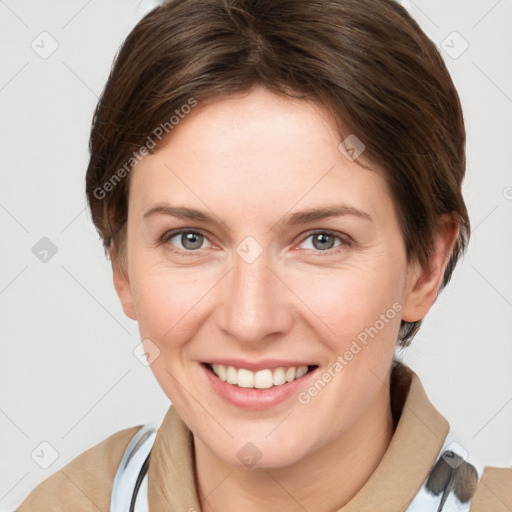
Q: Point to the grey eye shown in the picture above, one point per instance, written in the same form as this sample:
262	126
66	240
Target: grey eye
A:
189	240
322	241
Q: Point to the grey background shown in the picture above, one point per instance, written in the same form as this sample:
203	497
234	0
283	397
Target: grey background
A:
68	374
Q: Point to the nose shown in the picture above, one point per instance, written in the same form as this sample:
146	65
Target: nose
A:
255	305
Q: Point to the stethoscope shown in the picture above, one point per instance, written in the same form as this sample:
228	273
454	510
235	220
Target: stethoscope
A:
138	483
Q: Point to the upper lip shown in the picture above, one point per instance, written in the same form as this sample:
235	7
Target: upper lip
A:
259	365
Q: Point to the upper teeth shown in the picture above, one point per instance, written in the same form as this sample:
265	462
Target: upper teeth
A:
262	379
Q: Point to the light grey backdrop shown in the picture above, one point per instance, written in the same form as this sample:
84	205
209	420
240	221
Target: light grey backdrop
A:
69	377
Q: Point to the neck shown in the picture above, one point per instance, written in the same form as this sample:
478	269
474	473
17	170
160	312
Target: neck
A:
320	482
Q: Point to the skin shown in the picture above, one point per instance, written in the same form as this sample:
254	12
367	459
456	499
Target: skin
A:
250	160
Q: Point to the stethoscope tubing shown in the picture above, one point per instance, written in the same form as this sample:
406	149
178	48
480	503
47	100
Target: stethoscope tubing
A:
138	483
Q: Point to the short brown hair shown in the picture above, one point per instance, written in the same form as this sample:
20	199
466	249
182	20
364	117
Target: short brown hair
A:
366	61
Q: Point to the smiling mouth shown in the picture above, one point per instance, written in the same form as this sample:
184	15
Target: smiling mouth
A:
261	379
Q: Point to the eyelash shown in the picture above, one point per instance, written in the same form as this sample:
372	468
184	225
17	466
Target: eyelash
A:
345	240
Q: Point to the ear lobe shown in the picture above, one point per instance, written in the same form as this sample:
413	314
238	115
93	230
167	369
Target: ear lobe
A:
424	283
122	285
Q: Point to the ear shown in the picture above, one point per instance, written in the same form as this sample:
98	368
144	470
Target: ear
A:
424	282
122	285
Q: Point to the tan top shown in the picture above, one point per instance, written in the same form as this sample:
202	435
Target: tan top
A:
85	484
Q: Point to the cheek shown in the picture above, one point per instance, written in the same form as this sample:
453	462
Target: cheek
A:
167	306
349	302
168	301
362	310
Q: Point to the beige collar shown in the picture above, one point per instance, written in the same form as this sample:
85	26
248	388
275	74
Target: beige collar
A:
418	437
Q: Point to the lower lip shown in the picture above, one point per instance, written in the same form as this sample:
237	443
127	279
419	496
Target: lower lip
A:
252	398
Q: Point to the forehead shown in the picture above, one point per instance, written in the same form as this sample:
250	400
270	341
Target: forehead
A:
258	152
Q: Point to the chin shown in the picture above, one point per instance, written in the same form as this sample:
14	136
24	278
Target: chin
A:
261	453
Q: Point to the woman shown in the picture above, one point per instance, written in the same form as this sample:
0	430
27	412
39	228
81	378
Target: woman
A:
278	186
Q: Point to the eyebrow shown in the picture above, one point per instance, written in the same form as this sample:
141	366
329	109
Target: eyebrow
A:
301	217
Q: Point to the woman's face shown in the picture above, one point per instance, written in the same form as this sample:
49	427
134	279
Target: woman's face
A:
253	282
